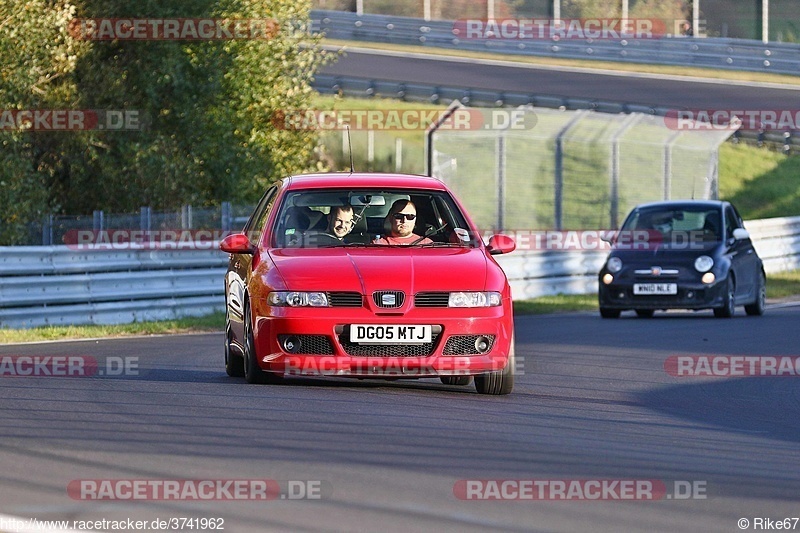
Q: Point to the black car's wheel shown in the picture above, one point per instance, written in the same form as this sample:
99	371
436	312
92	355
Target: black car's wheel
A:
500	381
253	372
757	308
234	364
645	313
729	303
609	313
456	380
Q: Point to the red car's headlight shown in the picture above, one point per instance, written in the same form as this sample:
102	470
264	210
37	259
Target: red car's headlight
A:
474	299
297	299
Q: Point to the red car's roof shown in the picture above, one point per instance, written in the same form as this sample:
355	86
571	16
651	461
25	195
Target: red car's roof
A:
365	179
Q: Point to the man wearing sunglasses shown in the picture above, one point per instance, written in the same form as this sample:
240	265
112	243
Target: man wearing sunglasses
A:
401	220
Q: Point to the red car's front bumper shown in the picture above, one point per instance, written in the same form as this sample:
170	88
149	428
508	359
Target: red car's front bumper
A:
320	345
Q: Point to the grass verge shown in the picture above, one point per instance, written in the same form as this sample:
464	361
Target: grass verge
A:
783	284
213	322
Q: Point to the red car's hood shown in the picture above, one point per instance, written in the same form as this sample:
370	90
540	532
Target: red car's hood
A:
369	269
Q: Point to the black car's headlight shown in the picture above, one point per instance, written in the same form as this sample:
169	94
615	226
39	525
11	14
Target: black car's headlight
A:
297	299
703	263
614	265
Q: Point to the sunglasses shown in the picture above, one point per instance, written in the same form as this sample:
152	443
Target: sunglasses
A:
401	216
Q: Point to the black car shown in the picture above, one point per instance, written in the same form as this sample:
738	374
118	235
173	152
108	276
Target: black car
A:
690	254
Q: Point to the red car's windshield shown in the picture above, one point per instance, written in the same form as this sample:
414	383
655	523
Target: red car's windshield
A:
319	218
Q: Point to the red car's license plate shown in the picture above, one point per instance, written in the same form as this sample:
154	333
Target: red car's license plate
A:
390	334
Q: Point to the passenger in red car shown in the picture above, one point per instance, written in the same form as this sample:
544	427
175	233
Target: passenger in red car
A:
401	219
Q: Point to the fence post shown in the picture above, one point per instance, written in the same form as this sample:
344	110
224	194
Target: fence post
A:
431	130
186	217
500	172
98	220
225	217
559	167
668	164
144	218
398	154
629	121
47	230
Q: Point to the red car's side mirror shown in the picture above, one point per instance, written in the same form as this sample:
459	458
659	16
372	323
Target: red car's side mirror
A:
238	243
501	244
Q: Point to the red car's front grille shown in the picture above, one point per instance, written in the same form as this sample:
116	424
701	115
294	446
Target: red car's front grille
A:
465	344
431	299
345	299
310	344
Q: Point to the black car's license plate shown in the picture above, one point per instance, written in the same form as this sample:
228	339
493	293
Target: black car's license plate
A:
655	288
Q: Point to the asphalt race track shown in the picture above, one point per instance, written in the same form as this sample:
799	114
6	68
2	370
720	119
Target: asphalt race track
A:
656	91
595	403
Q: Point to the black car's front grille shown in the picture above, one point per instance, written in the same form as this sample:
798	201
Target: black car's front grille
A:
309	344
465	344
345	299
688	297
431	299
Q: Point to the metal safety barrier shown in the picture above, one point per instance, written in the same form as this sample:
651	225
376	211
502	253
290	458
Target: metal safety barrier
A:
61	285
732	54
58	285
541	273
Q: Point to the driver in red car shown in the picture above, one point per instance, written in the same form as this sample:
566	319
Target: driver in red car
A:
340	221
402	218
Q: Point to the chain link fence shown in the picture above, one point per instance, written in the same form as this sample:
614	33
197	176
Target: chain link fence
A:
62	229
552	169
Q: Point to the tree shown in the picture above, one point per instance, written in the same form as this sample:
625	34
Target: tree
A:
37	57
206	108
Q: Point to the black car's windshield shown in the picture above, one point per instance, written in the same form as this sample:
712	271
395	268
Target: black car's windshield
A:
325	218
676	225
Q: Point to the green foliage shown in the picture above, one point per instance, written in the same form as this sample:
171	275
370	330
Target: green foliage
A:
205	106
37	57
591	9
762	183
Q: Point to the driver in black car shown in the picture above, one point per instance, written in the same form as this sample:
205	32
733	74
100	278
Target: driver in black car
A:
340	221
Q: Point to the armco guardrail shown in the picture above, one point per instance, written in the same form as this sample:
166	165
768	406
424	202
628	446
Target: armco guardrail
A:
733	54
777	241
537	273
57	285
53	285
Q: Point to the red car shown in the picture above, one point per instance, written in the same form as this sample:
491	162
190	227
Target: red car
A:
367	276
